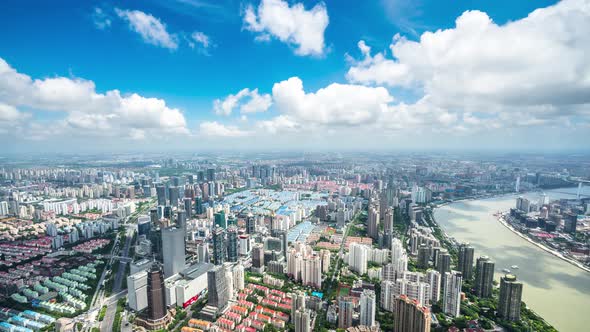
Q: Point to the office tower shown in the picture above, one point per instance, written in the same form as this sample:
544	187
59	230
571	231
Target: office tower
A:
273	244
484	277
302	321
211	174
203	253
156	309
433	278
510	298
410	316
345	307
181	220
250	225
357	257
373	223
154	216
173	251
423	256
368	309
443	262
173	194
168	212
465	264
452	283
244	244
570	222
220	219
257	256
143	226
137	290
200	176
188	206
161	193
217	287
199	206
218	246
229	280
232	244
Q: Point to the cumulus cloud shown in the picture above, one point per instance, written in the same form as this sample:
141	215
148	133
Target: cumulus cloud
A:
294	25
337	104
150	28
248	101
536	61
87	111
201	39
216	129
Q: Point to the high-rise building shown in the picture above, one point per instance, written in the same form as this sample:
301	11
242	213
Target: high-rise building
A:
181	220
345	307
199	206
258	257
174	195
311	273
423	256
433	278
297	302
173	251
465	264
373	223
218	246
220	219
156	308
302	319
232	244
510	298
238	275
368	308
211	174
358	257
137	290
217	287
452	283
410	316
443	262
161	193
203	253
484	277
250	225
188	206
570	222
388	220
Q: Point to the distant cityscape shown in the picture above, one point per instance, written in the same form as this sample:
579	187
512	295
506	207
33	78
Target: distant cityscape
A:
273	243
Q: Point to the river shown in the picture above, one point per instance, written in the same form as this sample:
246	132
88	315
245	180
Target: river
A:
554	288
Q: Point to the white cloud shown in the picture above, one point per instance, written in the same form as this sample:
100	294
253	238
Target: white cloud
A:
536	62
248	101
293	25
279	124
202	39
87	111
216	129
10	115
336	104
101	19
150	28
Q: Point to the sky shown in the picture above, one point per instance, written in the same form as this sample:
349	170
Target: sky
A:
192	75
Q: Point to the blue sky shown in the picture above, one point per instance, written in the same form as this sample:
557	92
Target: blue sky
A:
102	43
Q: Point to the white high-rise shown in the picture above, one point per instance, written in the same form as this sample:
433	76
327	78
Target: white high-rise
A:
452	293
238	275
367	306
387	295
312	271
433	278
358	257
419	291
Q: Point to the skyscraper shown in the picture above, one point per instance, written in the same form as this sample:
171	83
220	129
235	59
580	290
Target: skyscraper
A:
156	309
181	220
345	307
443	262
410	316
388	220
373	223
250	225
510	298
174	196
423	256
218	245
258	257
220	219
465	264
358	257
161	193
452	293
199	205
368	308
217	287
433	278
211	174
232	244
188	206
484	277
173	251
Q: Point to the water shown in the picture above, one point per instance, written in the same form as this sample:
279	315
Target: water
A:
555	289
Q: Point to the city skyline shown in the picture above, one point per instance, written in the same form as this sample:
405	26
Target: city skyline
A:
227	75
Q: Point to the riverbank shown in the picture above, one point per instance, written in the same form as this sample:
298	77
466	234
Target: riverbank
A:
542	246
